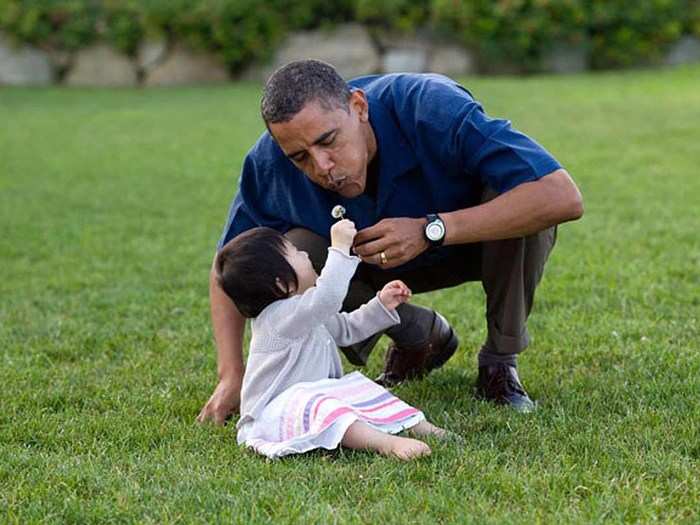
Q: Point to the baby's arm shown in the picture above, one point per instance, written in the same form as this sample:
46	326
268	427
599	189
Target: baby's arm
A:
374	316
299	314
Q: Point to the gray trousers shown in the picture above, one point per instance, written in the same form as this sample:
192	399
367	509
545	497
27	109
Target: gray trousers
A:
509	271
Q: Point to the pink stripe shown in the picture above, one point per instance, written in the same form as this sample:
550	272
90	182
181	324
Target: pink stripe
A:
340	393
334	415
401	415
378	407
344	410
318	404
291	420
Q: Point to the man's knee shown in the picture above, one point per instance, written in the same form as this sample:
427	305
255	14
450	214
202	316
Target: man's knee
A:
538	247
312	243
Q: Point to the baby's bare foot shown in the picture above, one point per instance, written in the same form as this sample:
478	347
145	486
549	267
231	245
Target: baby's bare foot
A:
405	448
425	428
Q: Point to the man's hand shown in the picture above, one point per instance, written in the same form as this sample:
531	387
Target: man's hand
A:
342	234
394	293
225	400
400	240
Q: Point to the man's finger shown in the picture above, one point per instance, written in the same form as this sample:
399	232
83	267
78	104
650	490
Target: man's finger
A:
371	233
374	259
369	249
202	417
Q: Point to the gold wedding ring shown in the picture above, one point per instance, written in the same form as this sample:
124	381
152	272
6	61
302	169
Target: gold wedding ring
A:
383	258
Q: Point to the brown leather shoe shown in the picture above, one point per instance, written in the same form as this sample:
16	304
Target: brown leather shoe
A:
413	362
500	383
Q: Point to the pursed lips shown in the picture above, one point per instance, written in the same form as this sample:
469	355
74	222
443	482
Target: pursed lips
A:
335	184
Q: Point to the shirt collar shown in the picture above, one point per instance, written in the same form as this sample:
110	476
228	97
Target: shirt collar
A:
396	157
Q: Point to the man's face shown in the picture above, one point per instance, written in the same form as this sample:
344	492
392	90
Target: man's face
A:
333	148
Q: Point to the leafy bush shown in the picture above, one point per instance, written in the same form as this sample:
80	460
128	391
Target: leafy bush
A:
512	31
503	32
68	24
122	24
626	33
401	15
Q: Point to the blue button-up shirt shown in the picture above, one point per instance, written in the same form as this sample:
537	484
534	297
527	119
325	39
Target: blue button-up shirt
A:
437	150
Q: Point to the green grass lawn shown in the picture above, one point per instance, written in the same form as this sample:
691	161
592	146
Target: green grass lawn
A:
111	202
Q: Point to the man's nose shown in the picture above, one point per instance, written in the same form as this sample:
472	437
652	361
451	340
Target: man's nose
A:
324	162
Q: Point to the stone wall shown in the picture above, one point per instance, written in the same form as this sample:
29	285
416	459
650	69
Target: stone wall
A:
352	48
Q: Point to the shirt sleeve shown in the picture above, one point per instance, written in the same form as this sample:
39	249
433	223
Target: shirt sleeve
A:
450	125
317	304
358	325
502	157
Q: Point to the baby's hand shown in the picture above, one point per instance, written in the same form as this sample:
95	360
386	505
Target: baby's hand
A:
394	293
342	234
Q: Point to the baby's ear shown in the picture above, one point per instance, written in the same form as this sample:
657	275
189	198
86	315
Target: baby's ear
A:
284	287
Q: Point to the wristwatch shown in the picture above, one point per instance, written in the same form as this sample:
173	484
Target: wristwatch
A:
434	230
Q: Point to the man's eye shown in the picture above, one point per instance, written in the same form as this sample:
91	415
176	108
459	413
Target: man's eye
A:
299	158
328	141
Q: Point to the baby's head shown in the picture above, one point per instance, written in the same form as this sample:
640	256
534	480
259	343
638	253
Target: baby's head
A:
259	267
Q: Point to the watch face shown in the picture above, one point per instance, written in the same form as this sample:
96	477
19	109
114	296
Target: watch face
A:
435	231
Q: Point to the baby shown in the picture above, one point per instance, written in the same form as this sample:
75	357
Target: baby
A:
295	397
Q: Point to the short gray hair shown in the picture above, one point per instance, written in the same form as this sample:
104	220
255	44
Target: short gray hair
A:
292	86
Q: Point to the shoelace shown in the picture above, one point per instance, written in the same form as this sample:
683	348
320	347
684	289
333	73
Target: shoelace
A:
504	382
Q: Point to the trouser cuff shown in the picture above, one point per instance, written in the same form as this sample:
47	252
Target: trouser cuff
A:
487	357
500	343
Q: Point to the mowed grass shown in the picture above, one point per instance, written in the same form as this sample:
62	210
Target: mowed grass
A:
111	202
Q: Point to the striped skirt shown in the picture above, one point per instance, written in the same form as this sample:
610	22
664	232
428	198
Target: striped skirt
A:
315	415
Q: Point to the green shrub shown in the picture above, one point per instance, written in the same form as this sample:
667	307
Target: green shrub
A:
123	24
310	14
401	15
244	30
693	22
512	33
618	32
68	24
626	33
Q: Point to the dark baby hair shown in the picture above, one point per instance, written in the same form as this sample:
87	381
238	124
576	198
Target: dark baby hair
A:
248	266
292	86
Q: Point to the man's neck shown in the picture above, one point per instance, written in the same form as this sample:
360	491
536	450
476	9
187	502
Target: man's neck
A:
372	181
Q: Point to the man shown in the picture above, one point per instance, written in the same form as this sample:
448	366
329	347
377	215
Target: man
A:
441	194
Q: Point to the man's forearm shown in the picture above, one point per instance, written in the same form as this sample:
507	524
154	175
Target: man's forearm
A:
524	210
228	325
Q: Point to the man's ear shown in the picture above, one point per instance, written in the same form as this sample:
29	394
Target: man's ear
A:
358	103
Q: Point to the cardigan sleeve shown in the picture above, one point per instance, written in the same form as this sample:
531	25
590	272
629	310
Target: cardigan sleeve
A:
319	303
367	320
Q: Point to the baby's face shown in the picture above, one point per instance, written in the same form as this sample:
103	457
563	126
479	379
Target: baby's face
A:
306	275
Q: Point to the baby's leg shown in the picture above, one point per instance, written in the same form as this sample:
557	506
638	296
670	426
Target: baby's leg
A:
362	436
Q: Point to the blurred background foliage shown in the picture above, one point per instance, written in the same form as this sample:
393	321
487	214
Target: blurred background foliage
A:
616	33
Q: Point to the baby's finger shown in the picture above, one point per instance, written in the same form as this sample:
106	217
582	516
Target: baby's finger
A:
400	285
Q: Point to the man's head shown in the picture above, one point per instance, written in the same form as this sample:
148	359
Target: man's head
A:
320	125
